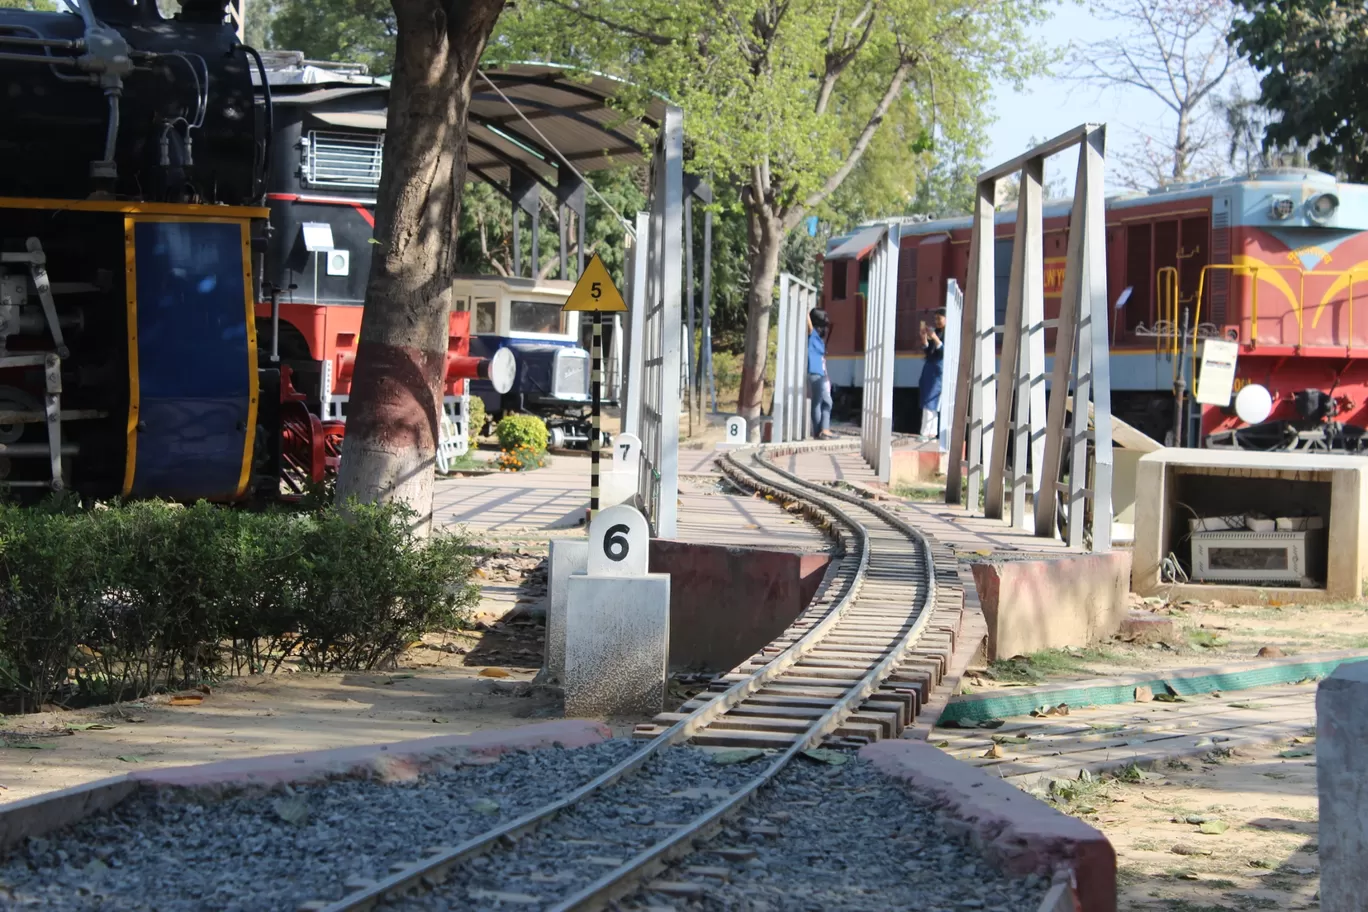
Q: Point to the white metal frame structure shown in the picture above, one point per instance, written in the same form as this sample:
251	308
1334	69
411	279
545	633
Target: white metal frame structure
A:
633	357
954	308
660	348
792	417
1081	358
881	306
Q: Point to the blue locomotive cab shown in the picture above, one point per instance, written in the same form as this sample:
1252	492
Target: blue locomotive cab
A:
192	358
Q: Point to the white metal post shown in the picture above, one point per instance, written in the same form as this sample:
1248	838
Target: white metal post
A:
876	424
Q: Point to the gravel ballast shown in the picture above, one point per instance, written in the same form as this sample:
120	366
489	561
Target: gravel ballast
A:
832	838
260	851
822	837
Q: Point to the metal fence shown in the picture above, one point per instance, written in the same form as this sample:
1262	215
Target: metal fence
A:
792	417
983	410
876	411
659	335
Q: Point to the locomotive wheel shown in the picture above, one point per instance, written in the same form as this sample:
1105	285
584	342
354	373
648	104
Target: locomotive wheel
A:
301	448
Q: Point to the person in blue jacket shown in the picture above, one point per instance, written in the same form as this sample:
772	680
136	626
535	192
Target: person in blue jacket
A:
933	351
819	384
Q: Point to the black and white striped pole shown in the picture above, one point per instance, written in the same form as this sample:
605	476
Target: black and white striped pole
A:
596	438
595	294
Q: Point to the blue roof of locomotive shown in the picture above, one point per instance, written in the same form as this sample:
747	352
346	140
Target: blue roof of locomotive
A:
1250	199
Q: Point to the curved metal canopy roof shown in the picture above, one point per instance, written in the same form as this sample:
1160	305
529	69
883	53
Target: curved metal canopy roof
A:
531	118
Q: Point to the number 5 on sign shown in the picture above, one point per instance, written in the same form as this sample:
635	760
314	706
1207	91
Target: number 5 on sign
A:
619	542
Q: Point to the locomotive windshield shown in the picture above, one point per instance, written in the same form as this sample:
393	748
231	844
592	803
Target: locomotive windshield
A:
536	317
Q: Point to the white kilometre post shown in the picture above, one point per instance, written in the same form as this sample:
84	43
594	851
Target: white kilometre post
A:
617	622
735	433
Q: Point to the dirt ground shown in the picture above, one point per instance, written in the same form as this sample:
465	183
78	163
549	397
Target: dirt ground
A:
1230	832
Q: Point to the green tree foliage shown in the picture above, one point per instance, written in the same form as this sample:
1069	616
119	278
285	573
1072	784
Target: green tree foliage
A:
1313	57
352	31
39	6
787	100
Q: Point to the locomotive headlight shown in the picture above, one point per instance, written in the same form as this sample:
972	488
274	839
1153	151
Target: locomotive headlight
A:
1323	207
1281	207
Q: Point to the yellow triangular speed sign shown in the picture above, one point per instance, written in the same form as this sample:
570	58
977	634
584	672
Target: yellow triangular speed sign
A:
595	290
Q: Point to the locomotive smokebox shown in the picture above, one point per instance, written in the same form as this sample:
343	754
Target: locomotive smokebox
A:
115	102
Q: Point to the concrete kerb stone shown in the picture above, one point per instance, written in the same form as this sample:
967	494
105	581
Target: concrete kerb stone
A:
1015	831
1341	770
1020	701
396	761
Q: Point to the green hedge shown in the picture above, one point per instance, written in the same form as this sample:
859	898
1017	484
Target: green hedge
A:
119	601
476	418
518	432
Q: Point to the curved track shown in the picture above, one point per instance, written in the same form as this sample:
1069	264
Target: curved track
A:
850	669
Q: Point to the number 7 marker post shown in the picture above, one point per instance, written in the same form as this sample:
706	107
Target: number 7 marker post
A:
617	622
595	294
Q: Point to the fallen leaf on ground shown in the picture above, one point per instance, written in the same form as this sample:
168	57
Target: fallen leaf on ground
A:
829	757
129	758
737	755
493	673
88	726
1213	827
484	806
187	700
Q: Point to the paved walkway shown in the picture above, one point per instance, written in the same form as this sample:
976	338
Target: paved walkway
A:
551	503
1108	738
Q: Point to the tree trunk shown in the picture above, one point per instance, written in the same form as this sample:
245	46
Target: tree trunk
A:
765	237
395	404
1180	147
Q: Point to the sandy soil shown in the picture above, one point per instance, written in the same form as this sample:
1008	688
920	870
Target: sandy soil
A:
1264	857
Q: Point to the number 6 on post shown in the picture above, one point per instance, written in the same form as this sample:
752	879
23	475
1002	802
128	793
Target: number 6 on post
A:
619	543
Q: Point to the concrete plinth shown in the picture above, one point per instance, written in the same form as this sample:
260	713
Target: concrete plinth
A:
1051	603
922	462
1178	483
617	644
726	602
568	556
1342	787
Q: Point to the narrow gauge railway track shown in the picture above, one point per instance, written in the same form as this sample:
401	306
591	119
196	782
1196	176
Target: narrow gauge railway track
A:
840	675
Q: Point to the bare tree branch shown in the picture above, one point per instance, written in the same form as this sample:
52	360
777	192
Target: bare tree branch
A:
1177	52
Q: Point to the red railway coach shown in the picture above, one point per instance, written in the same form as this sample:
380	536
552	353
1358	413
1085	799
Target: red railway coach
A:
1276	262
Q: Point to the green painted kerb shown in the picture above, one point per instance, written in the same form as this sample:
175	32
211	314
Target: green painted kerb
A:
1023	702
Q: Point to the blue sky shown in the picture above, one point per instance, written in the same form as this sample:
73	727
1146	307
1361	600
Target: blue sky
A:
1049	105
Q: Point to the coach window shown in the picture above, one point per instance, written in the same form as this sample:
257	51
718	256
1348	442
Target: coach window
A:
536	317
484	317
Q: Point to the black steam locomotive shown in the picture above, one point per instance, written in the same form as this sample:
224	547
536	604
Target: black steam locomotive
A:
132	176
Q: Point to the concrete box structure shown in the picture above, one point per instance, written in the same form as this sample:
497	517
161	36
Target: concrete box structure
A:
725	602
1181	483
922	462
1342	787
617	645
568	556
1073	600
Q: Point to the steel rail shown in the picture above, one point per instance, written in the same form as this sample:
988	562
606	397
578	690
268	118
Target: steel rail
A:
622	879
369	894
